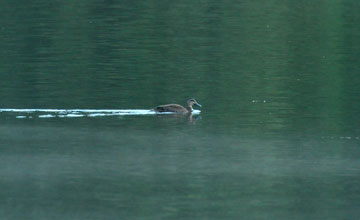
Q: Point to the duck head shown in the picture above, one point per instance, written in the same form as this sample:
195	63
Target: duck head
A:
192	102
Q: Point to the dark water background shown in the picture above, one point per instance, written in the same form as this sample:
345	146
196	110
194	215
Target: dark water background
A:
277	138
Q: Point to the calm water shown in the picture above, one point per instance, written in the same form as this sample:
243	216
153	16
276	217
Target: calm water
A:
278	136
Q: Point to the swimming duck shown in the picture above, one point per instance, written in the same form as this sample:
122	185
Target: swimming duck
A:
178	108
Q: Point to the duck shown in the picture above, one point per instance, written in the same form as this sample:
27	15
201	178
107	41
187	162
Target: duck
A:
178	108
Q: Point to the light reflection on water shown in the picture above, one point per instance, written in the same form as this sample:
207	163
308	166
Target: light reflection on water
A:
73	113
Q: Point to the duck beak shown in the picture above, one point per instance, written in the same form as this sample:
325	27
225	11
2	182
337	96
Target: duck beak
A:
197	104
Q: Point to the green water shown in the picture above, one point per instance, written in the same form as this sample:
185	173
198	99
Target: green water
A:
278	136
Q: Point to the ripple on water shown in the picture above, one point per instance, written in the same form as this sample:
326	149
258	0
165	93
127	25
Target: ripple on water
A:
75	113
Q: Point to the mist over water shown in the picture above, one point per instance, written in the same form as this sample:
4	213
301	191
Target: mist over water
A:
277	136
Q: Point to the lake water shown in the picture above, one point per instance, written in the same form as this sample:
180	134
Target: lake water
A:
278	136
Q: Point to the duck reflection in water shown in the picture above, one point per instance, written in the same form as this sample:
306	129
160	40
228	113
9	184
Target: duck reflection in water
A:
178	108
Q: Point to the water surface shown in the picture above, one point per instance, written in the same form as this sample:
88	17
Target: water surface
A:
277	136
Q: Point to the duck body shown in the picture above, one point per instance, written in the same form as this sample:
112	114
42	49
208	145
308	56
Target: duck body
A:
177	108
172	108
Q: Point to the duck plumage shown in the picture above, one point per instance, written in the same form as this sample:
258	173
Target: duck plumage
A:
178	108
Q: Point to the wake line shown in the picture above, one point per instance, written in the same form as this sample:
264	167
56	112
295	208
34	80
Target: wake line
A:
72	113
